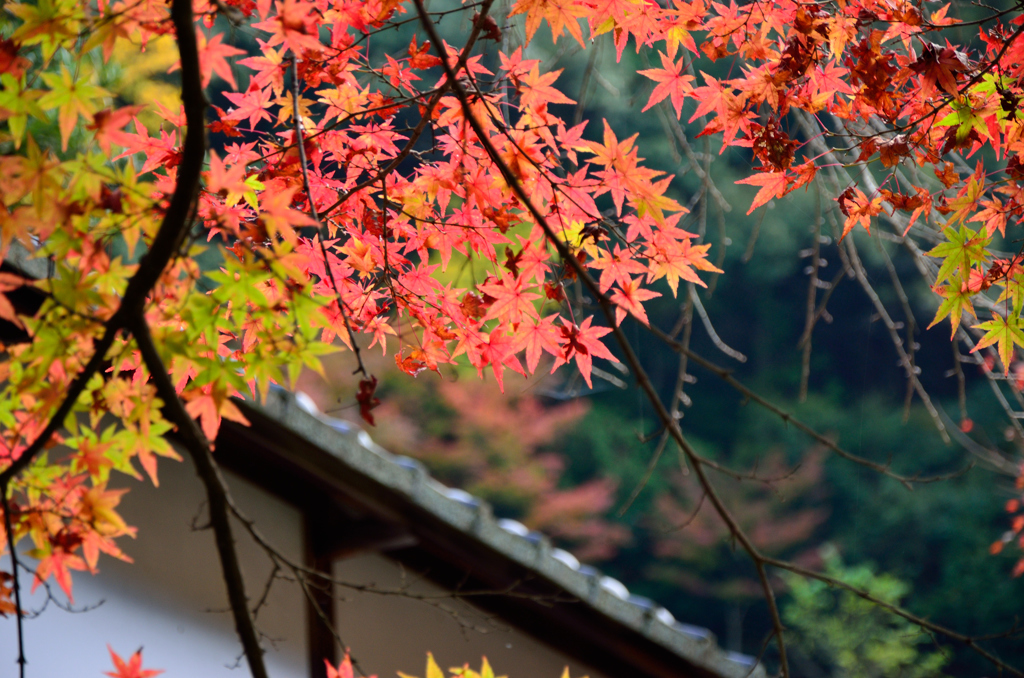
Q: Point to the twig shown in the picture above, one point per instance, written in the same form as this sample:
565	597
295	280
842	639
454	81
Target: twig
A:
719	344
266	591
812	296
961	382
748	253
726	376
361	369
911	321
861	275
822	310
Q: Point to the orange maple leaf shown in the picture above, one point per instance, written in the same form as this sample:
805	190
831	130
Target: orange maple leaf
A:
628	299
671	82
583	343
858	209
108	126
8	282
773	185
560	14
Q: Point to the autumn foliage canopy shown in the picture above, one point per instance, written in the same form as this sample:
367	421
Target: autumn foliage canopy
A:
434	202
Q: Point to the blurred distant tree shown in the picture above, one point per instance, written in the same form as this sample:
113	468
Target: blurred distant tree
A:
849	637
500	447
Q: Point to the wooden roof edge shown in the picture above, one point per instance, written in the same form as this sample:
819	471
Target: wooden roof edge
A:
394	479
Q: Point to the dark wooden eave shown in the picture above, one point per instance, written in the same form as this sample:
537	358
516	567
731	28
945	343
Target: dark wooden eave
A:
366	499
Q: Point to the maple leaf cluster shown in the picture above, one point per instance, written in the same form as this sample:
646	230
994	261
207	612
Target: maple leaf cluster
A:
348	195
332	219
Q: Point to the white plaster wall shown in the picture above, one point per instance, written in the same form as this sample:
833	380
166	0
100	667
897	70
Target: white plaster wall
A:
171	600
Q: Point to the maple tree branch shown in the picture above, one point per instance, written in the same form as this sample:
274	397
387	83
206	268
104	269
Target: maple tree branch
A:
165	244
630	356
696	460
19	613
217	495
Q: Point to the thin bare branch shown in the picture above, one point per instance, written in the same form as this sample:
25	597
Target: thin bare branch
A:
19	612
912	372
726	376
812	296
715	339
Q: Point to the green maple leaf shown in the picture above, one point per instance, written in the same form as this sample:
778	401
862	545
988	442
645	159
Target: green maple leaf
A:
964	118
48	23
18	103
1005	333
956	299
964	249
71	95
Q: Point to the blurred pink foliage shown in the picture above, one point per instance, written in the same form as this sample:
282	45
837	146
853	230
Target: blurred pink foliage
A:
500	447
780	516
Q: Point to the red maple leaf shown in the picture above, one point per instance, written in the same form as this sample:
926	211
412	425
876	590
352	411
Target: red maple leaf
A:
130	669
224	180
583	343
628	299
59	562
251	104
535	90
213	58
367	400
671	81
939	65
773	185
500	352
511	300
420	57
539	336
858	209
108	125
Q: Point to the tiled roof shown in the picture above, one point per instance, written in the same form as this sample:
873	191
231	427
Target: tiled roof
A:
513	540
